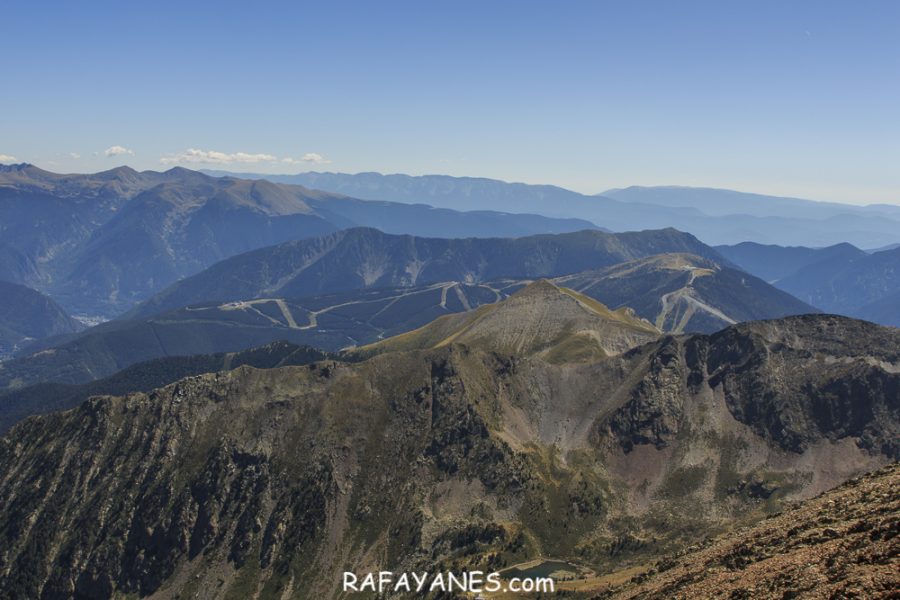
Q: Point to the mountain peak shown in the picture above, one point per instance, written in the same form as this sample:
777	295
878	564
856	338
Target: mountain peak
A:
536	289
542	319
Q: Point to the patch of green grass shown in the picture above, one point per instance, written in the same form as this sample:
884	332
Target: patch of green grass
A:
575	348
683	481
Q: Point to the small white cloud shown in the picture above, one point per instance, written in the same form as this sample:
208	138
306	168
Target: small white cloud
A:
6	158
118	151
308	158
74	155
213	157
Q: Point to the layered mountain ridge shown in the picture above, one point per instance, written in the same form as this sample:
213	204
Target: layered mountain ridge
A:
715	216
504	389
103	242
368	258
677	292
842	279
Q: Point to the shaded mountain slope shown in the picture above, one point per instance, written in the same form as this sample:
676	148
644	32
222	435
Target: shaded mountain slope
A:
841	279
143	377
426	221
885	311
176	229
842	544
330	322
274	482
541	320
685	293
27	315
773	263
47	216
367	258
15	267
847	284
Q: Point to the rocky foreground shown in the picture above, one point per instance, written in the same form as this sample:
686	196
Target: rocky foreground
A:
842	544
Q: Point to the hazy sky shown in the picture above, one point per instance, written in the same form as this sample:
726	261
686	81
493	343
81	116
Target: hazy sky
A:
785	97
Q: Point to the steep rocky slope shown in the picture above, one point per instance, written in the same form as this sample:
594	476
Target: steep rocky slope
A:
842	544
42	398
275	481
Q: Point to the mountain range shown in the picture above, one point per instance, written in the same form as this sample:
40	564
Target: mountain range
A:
719	203
298	382
841	279
234	305
330	322
774	263
100	243
270	481
368	258
713	215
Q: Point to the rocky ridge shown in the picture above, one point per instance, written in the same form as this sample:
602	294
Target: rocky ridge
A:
274	481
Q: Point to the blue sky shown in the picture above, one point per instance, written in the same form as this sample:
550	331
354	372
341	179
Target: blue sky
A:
792	98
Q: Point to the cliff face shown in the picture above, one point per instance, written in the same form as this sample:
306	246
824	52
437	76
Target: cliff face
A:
275	481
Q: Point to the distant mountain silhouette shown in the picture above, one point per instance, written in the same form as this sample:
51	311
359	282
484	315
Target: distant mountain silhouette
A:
715	216
773	263
839	279
101	243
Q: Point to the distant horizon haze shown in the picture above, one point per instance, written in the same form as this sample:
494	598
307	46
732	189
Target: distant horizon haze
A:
262	175
790	99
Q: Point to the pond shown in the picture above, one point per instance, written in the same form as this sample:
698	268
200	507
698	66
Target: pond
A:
546	568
